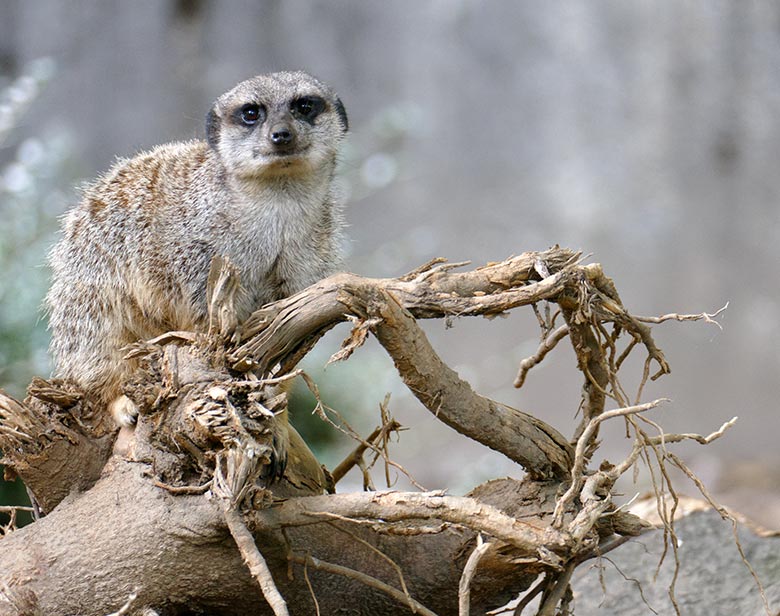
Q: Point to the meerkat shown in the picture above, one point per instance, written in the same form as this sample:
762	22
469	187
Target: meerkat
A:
134	255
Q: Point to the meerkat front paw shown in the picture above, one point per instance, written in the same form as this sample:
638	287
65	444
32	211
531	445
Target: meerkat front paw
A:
124	411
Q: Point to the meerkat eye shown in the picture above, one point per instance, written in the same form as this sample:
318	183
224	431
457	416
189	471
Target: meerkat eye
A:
251	114
307	107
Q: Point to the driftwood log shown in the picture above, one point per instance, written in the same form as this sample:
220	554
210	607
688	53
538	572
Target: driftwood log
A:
211	506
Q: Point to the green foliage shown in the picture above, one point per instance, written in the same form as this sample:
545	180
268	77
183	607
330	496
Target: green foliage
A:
32	177
30	200
13	493
31	197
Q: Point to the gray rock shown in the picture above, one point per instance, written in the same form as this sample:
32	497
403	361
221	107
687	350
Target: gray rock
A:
712	578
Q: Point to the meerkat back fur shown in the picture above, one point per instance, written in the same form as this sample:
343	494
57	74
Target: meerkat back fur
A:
135	253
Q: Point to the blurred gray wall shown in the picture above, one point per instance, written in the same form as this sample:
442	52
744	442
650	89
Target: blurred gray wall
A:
646	133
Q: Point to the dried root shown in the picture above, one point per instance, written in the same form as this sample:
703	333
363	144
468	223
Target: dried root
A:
213	426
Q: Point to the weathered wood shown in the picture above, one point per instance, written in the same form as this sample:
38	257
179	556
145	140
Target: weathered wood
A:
54	440
206	458
126	536
537	446
284	330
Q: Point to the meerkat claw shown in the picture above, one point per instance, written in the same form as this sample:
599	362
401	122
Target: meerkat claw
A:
124	411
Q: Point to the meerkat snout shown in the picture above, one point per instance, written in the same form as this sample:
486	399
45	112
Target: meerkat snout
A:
282	137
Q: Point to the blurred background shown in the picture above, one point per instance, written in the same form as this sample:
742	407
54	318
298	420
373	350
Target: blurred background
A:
646	134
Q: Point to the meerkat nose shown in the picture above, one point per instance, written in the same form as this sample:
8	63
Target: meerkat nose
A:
281	135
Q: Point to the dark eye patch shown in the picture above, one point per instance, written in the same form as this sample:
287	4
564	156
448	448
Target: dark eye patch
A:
307	107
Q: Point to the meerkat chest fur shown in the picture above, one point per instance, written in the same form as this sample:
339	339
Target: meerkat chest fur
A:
284	235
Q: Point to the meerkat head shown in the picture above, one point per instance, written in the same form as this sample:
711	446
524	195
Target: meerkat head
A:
286	123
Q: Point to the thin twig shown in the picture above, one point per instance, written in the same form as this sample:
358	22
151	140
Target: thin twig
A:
702	316
183	490
422	268
277	380
531	594
547	345
386	419
444	267
557	593
642	446
381	554
128	604
626	352
14	508
372	582
724	514
635	581
464	586
254	559
640	443
578	468
37	514
311	588
672	530
371	442
321	410
605	547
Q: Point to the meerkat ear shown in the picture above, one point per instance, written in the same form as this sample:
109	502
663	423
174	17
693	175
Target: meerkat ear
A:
342	113
212	128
